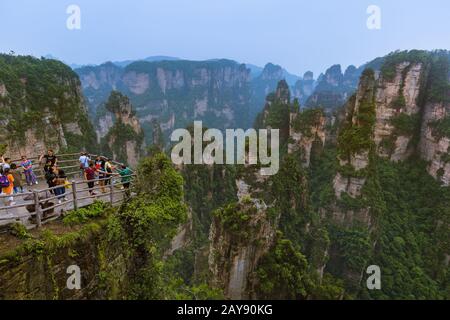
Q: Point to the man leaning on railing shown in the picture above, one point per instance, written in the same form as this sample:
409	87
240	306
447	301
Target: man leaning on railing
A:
125	173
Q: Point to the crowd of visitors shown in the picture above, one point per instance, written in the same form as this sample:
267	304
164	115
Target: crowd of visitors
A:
99	170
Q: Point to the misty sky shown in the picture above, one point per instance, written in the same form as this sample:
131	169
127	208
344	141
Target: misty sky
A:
299	35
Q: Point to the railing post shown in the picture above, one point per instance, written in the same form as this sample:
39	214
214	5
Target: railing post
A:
37	208
74	195
111	191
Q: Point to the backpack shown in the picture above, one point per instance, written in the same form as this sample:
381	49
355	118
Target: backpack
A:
4	182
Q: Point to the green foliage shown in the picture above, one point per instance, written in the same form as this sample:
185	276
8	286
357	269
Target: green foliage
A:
283	273
207	188
411	242
118	136
441	127
42	94
354	247
289	192
399	102
388	69
307	119
356	134
150	221
235	219
439	88
405	125
278	118
20	231
82	215
115	102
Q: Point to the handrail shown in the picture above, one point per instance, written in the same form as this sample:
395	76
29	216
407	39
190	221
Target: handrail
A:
74	199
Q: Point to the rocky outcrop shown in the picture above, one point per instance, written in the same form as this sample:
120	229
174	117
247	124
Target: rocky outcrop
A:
240	235
355	138
304	87
306	130
41	112
175	93
334	88
434	147
124	139
264	84
397	98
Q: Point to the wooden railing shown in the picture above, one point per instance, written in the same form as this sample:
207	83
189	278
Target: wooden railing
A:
43	202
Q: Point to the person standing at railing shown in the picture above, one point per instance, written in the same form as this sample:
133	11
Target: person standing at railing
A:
100	169
27	166
50	156
125	173
48	167
7	185
89	176
108	171
60	181
17	178
84	162
5	163
50	177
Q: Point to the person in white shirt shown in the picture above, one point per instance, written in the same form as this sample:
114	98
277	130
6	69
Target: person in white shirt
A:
5	163
84	162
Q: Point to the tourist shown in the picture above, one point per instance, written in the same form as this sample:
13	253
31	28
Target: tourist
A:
61	181
48	167
50	156
7	185
27	166
101	173
125	173
84	162
89	176
108	171
5	163
17	178
50	177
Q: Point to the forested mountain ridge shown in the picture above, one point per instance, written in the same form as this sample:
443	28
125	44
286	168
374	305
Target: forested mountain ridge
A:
365	183
345	198
222	93
174	93
42	106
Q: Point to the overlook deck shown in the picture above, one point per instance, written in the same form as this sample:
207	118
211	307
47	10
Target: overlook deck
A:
37	204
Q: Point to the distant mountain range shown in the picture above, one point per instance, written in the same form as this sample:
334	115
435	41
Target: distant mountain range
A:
173	92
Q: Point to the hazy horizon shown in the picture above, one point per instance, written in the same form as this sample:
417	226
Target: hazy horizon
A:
297	35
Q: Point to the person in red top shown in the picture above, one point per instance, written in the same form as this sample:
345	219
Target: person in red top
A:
89	176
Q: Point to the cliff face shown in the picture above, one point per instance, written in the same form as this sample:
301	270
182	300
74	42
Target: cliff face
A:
398	114
355	138
408	119
175	92
334	88
434	146
398	99
240	235
307	133
243	235
120	131
42	107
